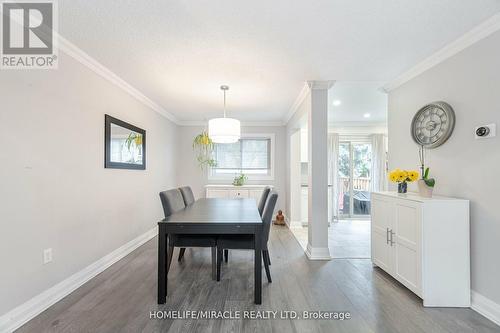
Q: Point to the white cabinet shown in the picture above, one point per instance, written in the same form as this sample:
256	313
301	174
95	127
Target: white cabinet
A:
424	244
231	191
239	193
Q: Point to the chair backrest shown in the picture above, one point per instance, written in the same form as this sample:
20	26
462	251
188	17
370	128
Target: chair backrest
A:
267	216
172	201
263	199
187	194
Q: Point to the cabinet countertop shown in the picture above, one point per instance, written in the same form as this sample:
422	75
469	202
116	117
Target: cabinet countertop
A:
416	197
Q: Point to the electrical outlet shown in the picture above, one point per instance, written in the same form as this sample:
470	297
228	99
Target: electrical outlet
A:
47	256
485	131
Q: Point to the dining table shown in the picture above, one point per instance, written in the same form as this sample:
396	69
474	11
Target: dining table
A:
211	216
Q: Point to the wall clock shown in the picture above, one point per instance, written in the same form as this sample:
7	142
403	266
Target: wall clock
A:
433	124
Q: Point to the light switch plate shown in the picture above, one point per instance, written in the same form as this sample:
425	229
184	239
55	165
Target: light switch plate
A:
47	256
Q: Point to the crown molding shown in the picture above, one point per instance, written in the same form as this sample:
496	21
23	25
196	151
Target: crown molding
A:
478	33
83	58
320	85
243	123
300	98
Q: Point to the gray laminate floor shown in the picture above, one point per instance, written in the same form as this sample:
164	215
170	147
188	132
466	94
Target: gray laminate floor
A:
121	298
349	238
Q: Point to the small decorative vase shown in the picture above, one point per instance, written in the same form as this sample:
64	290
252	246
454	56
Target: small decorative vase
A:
424	190
402	187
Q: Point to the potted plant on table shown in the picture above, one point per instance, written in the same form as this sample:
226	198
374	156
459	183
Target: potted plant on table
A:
426	184
240	180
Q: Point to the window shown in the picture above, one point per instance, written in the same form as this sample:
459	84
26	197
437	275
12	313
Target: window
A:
251	155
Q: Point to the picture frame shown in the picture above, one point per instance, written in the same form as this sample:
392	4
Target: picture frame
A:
124	145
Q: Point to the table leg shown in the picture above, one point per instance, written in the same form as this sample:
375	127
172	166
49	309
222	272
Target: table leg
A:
214	263
162	263
258	265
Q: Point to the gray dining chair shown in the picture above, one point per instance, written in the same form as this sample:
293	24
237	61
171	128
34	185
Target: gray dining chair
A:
246	242
187	195
173	202
260	207
263	199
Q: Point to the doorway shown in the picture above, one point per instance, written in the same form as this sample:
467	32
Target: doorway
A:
354	178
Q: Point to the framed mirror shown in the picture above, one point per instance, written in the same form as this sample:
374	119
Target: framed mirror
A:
124	145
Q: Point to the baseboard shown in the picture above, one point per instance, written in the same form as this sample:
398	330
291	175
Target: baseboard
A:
486	307
17	317
318	253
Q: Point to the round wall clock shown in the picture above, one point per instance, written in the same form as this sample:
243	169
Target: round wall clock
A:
433	124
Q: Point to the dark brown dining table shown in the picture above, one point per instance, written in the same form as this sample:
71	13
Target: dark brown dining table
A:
211	216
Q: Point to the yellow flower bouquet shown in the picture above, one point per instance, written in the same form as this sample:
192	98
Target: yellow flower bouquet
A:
402	177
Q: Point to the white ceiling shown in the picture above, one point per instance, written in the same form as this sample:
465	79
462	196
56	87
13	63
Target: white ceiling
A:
357	99
178	53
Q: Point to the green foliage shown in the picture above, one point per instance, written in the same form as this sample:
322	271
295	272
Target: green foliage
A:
204	147
133	138
428	181
361	160
240	180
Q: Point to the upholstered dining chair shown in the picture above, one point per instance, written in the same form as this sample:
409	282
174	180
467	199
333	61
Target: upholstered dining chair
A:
246	242
263	199
173	201
260	207
187	195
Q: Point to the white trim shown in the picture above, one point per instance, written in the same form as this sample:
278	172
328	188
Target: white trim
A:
318	253
485	307
478	33
243	123
18	316
269	177
79	55
298	101
320	85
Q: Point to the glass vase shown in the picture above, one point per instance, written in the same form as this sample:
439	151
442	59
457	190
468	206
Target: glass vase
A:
402	187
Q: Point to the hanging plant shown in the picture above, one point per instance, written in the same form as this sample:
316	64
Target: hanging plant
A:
204	147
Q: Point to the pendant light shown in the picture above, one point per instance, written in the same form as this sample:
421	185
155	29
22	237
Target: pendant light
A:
224	130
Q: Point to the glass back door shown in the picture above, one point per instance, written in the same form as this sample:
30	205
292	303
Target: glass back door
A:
355	160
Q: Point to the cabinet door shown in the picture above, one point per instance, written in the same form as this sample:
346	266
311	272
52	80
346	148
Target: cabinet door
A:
381	225
217	193
239	193
406	242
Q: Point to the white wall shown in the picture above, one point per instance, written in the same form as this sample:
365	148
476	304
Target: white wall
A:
298	120
463	167
190	174
55	191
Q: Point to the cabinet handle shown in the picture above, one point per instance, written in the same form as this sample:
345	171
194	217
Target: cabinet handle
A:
392	237
387	235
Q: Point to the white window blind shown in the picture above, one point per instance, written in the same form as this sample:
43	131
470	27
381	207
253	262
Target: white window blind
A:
248	156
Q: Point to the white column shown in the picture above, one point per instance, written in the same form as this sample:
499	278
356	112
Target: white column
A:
317	245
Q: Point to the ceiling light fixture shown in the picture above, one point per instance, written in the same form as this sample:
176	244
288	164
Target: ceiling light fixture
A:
337	102
224	130
367	115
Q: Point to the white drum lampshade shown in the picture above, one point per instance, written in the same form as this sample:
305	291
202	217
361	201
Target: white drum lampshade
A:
224	130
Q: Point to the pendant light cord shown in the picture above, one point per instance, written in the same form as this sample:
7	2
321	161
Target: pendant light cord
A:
224	103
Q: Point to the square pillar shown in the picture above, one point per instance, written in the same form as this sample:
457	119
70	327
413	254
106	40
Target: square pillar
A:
317	245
